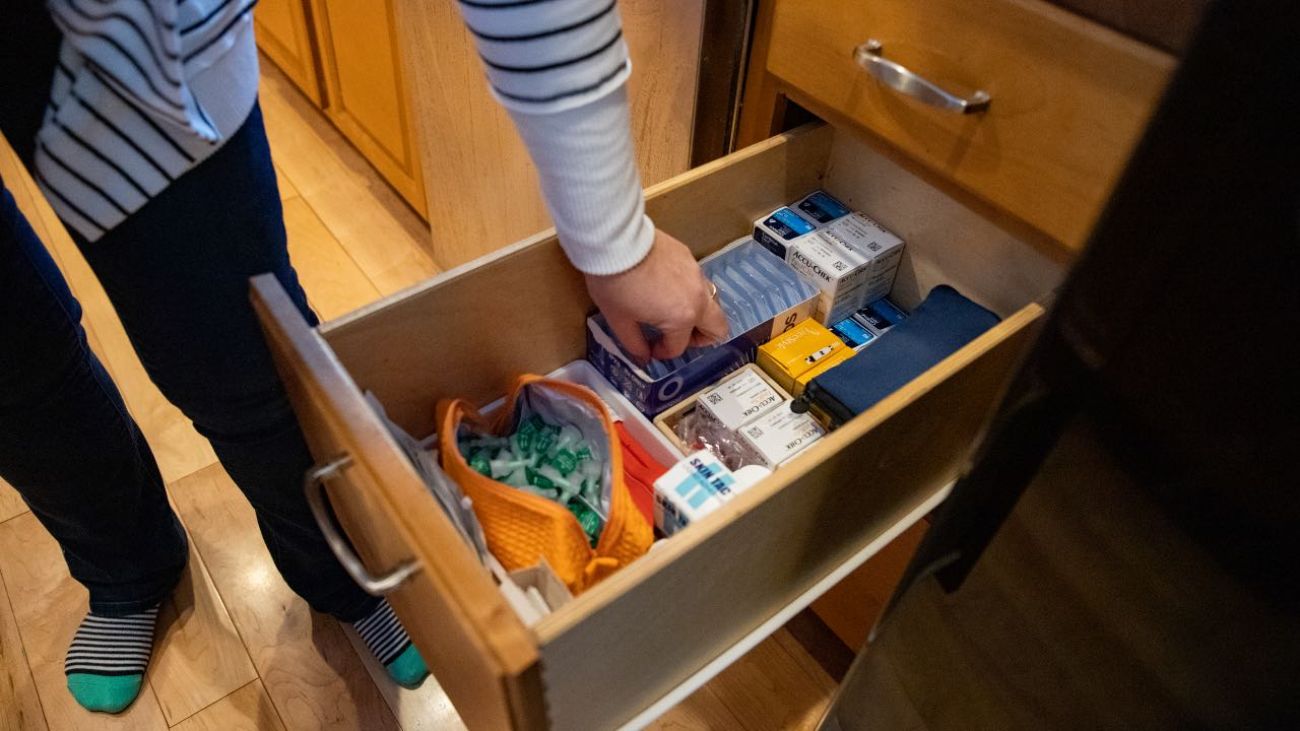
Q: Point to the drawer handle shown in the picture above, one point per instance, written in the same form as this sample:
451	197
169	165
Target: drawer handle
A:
314	485
870	56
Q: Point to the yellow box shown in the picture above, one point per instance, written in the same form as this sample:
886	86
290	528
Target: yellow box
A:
823	365
799	350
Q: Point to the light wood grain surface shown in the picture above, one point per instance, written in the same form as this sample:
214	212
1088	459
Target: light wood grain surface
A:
385	238
335	284
766	689
308	668
1069	97
20	707
247	709
481	186
200	658
11	503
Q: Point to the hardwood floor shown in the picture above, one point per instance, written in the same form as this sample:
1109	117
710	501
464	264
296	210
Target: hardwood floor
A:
237	649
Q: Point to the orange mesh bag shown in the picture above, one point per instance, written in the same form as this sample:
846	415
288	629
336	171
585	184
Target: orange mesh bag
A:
522	527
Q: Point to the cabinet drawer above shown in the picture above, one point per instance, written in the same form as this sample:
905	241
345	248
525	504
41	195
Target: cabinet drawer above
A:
1067	98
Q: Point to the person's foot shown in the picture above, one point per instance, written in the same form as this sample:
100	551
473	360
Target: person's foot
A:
107	659
388	641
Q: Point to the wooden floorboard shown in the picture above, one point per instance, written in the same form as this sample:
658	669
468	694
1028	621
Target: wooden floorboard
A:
48	605
378	230
768	689
309	669
333	281
199	658
702	710
247	709
20	706
11	503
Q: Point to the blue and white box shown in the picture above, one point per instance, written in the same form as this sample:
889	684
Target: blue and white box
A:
696	486
853	332
777	229
880	315
821	207
761	296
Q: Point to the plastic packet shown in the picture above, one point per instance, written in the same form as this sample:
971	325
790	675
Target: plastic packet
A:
699	432
458	507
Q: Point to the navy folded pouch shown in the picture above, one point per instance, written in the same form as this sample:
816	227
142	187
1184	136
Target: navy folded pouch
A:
940	326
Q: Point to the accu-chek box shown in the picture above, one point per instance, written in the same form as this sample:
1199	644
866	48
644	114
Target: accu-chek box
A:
780	435
739	399
878	247
821	207
777	229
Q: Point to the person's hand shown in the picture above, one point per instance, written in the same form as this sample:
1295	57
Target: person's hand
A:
666	291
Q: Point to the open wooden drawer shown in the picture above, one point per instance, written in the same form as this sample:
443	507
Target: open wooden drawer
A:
649	634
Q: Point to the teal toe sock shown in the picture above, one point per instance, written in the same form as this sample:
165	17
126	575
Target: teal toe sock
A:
107	659
408	670
389	643
104	693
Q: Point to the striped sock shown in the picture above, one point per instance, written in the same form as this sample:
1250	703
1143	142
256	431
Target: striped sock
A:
388	641
107	659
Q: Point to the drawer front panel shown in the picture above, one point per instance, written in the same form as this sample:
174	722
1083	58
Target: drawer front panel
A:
647	631
474	645
1068	97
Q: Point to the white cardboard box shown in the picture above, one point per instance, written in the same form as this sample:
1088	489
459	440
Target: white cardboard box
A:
780	435
695	487
841	274
877	245
739	400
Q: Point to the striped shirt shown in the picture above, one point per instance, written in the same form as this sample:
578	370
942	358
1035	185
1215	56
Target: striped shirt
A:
147	89
144	91
560	68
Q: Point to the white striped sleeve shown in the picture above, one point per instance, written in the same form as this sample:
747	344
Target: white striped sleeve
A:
549	55
559	67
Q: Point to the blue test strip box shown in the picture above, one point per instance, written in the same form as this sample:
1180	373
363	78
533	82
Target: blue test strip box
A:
880	315
776	230
773	304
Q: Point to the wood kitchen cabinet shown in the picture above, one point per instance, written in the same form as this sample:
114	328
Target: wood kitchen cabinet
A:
285	35
365	93
402	81
343	55
482	188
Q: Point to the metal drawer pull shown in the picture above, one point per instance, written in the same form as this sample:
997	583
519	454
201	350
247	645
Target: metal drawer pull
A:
314	485
870	56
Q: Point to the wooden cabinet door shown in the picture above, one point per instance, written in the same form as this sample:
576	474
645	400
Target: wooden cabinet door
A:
483	191
284	34
366	95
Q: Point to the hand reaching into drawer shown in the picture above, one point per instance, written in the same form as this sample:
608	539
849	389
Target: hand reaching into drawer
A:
666	291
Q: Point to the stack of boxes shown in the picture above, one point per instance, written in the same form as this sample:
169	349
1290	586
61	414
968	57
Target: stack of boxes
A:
841	266
849	257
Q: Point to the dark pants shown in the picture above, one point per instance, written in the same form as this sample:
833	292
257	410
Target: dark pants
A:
177	273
